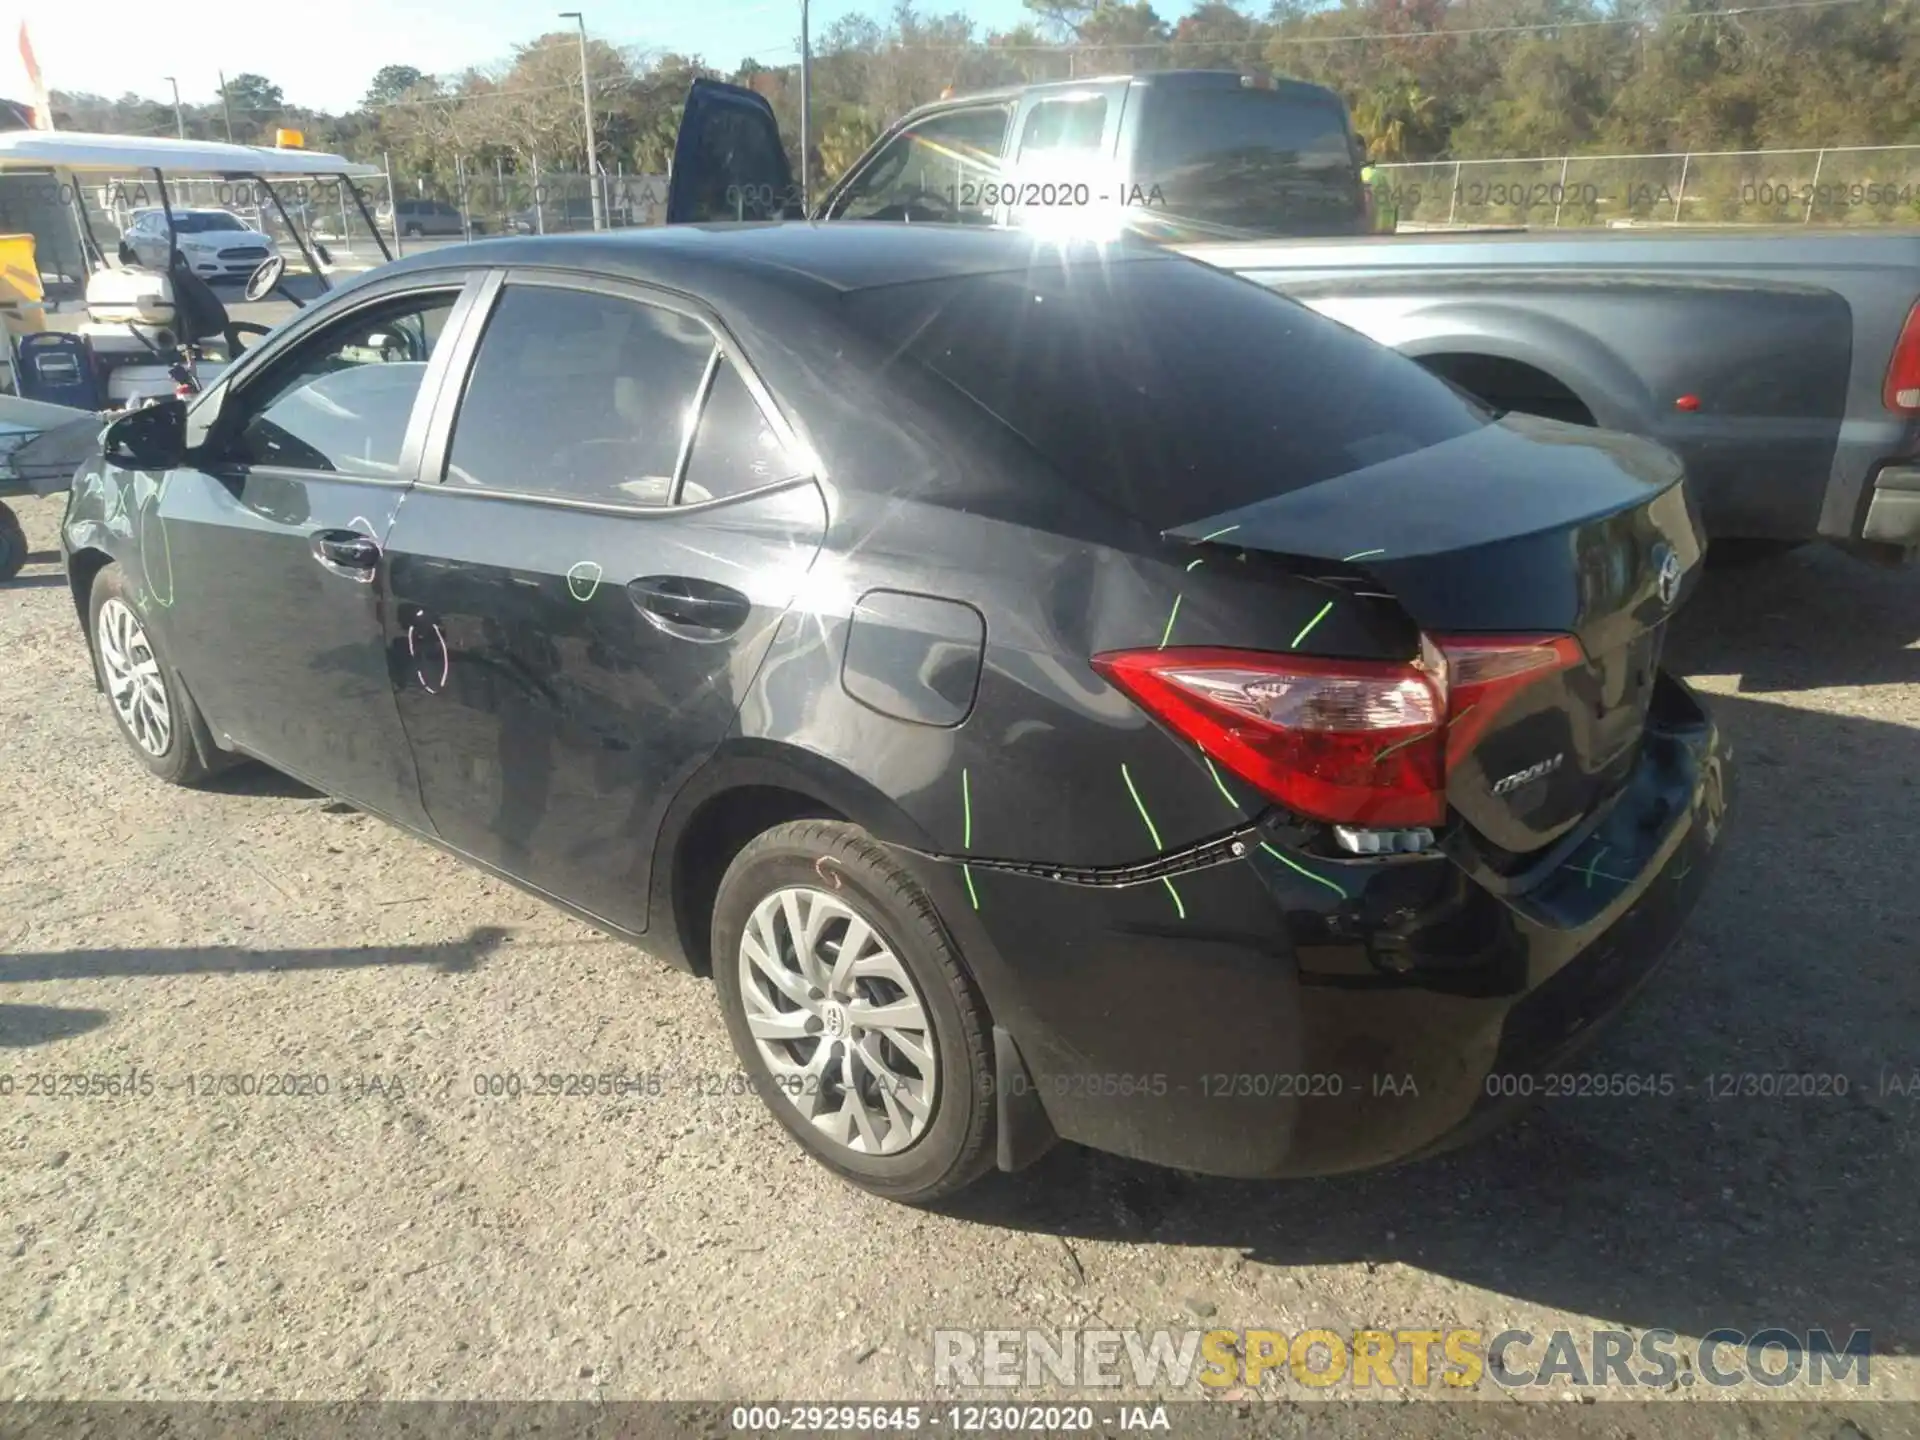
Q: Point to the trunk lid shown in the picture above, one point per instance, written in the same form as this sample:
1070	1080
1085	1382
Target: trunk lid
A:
1523	528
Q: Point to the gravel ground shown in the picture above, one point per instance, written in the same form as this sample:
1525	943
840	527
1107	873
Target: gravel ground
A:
401	1237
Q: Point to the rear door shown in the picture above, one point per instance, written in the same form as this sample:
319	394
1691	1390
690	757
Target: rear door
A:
1062	156
728	161
584	587
263	556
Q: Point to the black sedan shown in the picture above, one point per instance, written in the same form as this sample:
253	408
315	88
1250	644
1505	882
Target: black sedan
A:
1056	690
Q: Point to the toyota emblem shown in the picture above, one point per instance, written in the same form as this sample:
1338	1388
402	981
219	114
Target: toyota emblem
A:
1668	579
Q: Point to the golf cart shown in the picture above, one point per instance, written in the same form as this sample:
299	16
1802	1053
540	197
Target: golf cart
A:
146	323
147	332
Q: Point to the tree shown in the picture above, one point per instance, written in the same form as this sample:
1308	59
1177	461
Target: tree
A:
390	83
255	103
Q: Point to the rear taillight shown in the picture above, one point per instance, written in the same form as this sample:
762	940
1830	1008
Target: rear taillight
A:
1351	742
1902	390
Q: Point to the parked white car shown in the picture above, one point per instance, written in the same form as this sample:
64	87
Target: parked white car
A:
218	244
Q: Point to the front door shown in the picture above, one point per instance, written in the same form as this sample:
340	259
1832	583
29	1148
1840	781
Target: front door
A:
263	556
728	161
609	530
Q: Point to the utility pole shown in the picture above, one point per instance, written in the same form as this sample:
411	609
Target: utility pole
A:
586	100
179	115
806	108
225	109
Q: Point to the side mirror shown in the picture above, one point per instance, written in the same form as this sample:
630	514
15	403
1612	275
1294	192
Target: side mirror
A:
154	437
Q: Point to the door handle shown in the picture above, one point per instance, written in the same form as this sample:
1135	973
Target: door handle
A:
347	553
690	608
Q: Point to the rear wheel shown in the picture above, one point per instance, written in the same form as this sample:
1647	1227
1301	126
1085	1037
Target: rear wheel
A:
149	701
849	1008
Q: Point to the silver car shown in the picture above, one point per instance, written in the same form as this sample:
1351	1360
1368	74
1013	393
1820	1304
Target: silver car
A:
217	244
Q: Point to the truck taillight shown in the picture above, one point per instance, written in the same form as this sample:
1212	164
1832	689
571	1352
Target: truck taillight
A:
1902	391
1351	742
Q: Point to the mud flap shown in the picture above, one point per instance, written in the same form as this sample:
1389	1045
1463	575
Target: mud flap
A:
1020	1121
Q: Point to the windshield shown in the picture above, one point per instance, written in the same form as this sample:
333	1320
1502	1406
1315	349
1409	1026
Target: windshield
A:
197	222
1168	387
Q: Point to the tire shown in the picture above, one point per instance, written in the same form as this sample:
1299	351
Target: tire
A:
930	1129
176	761
411	232
13	544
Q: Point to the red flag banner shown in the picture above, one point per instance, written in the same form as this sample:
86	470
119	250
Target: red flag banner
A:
37	88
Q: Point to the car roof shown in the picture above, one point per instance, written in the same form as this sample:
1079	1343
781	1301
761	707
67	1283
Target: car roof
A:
703	259
1159	79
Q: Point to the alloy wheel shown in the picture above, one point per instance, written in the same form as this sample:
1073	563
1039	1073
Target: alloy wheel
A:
838	1021
133	678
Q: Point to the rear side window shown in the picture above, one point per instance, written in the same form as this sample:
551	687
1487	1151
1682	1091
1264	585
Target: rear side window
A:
1170	388
1072	125
579	395
1261	162
735	449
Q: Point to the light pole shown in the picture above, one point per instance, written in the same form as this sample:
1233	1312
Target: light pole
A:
179	116
586	100
806	105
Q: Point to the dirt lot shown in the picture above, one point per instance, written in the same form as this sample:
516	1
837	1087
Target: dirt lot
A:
402	1237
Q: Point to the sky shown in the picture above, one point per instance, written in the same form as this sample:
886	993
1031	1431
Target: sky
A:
109	47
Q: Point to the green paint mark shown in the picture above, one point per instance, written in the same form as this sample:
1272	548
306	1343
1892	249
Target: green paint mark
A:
1167	634
1195	566
1361	555
1592	863
1220	784
1317	879
1681	875
1154	833
1140	805
1218	533
579	575
972	894
1307	629
966	810
1410	740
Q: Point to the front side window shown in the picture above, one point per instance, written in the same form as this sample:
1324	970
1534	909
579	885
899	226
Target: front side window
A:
942	171
342	399
579	395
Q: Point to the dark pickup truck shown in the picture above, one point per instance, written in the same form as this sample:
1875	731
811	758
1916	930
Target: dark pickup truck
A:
1783	367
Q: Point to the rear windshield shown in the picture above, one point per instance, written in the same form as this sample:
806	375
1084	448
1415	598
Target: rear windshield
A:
1233	162
1168	387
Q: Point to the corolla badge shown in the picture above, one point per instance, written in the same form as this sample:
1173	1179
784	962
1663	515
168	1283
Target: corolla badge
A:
1667	578
1507	784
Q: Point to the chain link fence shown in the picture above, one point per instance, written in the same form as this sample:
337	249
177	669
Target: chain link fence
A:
467	199
1841	185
